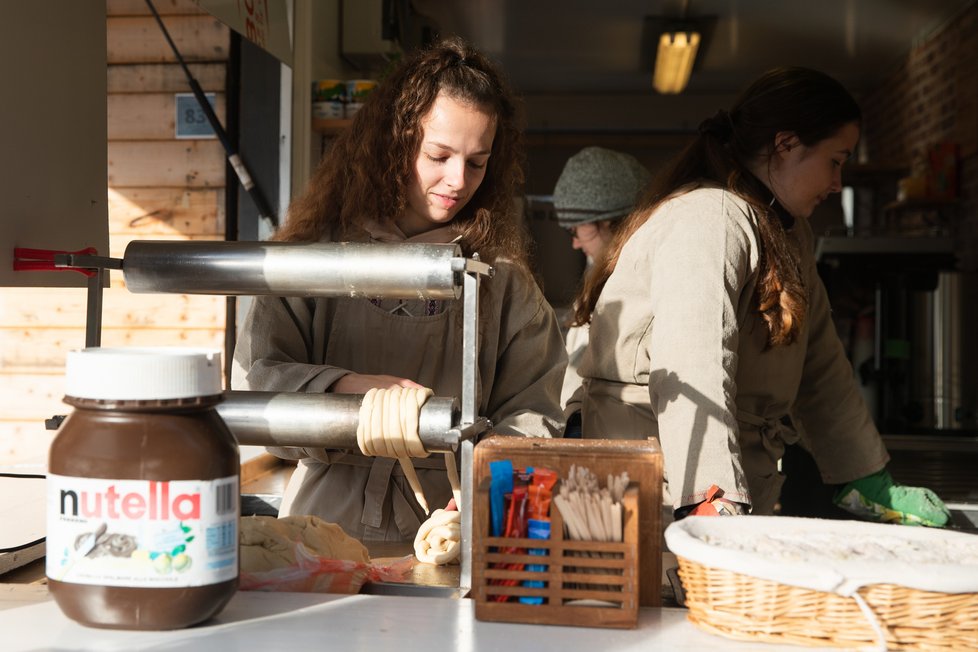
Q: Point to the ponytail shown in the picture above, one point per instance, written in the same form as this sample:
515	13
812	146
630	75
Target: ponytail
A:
809	103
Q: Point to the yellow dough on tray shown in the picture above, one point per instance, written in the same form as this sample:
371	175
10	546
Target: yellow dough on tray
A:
268	543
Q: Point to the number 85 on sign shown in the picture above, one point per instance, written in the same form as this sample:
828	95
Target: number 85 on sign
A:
191	121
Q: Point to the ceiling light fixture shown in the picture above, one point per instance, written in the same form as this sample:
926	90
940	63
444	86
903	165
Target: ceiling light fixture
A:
674	61
672	43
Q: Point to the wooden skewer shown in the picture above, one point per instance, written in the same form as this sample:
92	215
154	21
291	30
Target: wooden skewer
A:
453	479
590	512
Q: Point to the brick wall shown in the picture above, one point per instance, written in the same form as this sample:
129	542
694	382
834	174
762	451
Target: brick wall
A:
933	97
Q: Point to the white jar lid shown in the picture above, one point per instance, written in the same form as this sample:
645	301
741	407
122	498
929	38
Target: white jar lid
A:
138	374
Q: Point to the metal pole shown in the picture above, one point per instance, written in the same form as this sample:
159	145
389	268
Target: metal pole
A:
325	420
473	269
93	310
409	271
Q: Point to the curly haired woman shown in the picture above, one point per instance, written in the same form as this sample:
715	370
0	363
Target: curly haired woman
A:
434	156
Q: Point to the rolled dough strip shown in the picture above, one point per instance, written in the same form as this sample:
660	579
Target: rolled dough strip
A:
392	422
375	433
412	478
400	398
388	427
439	538
411	416
363	423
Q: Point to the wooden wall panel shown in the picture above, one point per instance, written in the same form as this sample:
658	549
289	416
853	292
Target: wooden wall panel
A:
65	308
28	396
148	116
150	212
47	347
140	40
165	77
24	444
176	163
163	7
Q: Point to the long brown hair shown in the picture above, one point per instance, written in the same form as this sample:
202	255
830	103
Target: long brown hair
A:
807	102
368	168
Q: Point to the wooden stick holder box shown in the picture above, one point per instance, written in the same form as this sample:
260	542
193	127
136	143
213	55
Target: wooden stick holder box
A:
586	583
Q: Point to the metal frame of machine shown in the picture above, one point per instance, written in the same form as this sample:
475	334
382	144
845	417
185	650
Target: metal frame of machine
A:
408	271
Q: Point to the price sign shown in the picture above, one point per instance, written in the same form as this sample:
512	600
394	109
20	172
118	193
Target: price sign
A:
191	121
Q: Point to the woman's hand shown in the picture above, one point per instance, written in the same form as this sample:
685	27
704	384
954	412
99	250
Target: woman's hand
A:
714	505
362	383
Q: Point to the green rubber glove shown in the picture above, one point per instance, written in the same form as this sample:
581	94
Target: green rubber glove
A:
877	498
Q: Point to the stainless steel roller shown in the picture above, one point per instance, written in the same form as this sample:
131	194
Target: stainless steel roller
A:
399	271
325	420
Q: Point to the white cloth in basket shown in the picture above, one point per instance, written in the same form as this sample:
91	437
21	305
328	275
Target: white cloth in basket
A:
829	555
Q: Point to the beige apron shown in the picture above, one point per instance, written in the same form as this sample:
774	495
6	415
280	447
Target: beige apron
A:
370	497
622	411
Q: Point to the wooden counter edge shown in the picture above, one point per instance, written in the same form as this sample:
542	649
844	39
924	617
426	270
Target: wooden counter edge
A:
19	595
259	466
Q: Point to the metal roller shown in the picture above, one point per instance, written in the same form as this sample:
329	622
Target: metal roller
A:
325	420
399	271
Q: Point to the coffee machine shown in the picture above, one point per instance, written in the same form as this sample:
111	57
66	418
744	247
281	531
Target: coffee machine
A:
907	317
909	320
925	363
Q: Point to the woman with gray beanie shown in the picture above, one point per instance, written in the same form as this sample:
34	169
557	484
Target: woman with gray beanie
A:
596	189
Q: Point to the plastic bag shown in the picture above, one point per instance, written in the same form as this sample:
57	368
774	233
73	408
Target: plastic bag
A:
314	574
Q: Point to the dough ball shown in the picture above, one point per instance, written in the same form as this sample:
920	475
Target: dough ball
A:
439	538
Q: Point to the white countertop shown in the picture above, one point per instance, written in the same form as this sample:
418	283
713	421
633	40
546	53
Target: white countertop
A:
30	620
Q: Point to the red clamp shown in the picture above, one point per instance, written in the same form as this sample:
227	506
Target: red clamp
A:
42	260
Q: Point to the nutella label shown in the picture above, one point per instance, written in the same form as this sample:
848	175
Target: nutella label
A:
142	533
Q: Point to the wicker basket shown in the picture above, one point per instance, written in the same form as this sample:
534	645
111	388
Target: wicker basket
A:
740	606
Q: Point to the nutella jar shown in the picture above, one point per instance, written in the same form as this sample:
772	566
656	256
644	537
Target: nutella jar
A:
142	499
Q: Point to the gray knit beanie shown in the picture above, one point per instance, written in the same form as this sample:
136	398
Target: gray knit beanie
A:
598	184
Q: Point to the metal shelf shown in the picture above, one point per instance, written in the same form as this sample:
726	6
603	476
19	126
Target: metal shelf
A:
883	245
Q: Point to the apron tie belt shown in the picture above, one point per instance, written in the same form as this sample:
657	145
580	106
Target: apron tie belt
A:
775	434
382	469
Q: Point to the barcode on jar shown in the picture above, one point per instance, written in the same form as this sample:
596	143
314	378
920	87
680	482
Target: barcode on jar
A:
226	498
